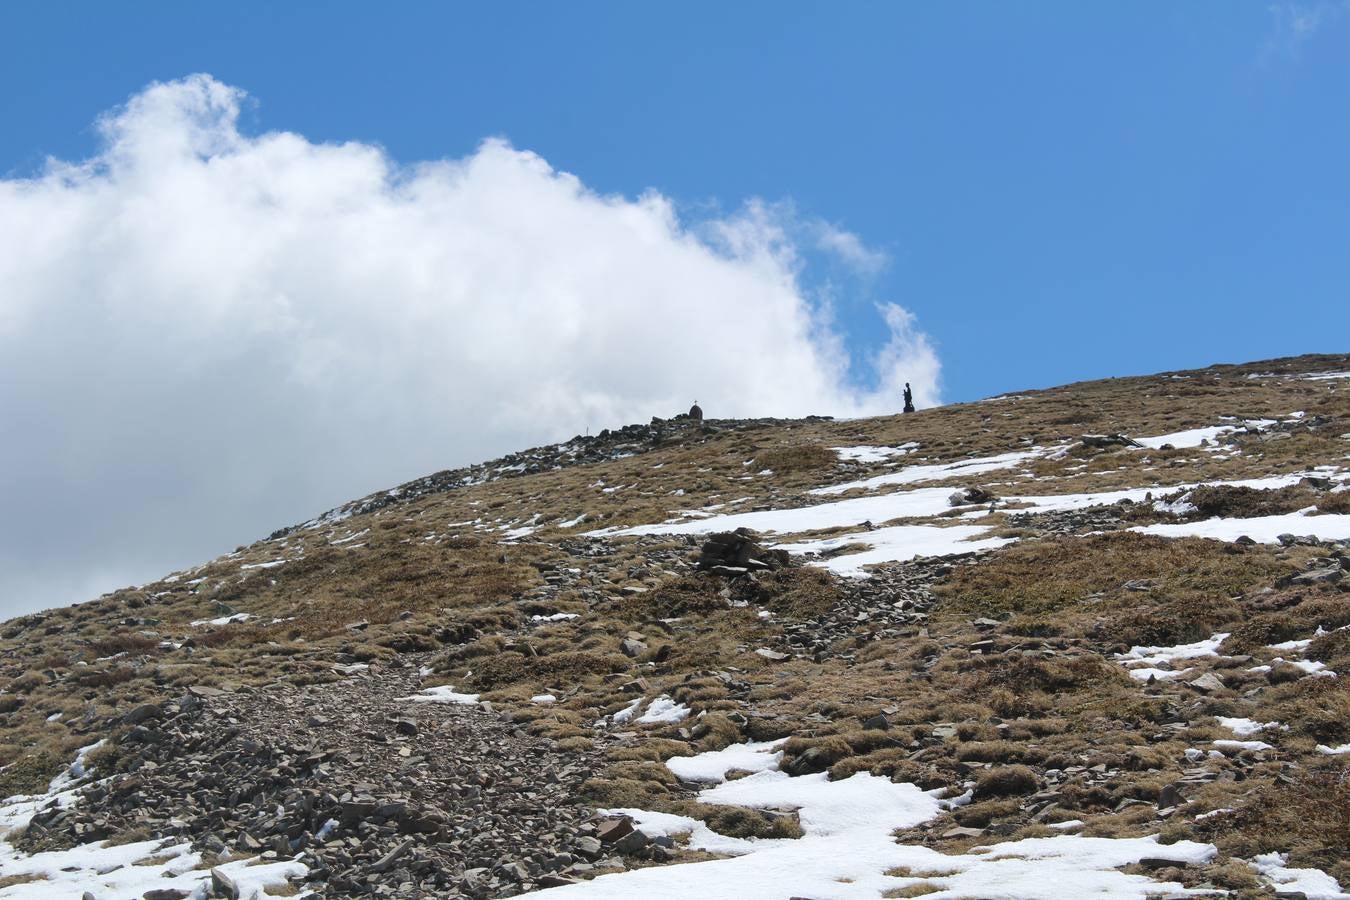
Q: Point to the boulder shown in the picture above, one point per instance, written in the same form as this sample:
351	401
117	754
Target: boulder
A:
613	830
1207	683
969	495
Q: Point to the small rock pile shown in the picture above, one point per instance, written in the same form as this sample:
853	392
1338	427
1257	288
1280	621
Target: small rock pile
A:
1108	517
735	553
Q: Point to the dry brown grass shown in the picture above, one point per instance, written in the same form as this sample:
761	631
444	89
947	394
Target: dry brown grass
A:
1005	781
798	592
798	458
130	643
423	585
1235	501
30	773
1192	581
1308	818
568	667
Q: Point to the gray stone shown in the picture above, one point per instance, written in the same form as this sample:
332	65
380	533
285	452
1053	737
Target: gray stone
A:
1170	796
631	843
1324	575
1208	683
224	885
960	832
589	847
143	713
612	830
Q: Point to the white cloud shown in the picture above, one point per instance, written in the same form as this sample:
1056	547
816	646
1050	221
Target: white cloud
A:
849	248
205	335
1295	24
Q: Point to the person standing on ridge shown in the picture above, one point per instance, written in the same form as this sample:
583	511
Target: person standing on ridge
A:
909	399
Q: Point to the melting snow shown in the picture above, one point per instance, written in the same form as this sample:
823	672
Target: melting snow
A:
865	454
847	847
223	620
664	709
1313	883
1196	436
916	474
443	694
625	714
1242	745
270	564
1245	727
714	765
1146	673
1154	656
1263	529
907	541
897	543
923	502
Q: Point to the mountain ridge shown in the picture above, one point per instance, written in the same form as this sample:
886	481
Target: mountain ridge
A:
1009	606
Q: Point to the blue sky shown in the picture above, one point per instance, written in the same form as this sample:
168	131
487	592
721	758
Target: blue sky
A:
1064	190
318	249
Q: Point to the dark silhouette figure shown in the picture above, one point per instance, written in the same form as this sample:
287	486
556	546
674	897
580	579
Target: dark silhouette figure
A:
696	412
909	399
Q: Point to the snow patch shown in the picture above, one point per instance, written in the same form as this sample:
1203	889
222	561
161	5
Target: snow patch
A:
443	694
847	847
938	472
895	544
865	454
714	765
1155	656
1313	883
1262	529
1247	727
222	620
663	710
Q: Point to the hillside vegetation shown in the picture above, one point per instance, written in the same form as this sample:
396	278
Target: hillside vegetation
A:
1066	612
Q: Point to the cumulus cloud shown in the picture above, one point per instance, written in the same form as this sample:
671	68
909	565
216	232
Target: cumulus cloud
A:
1294	24
206	334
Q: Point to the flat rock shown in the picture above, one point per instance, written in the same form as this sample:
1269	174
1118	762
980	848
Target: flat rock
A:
1207	683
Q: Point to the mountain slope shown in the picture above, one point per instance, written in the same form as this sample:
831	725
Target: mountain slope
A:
1109	610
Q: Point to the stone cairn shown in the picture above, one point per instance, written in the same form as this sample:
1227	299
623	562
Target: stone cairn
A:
735	553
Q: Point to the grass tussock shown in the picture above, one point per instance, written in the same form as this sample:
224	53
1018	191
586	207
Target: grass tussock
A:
798	458
30	773
799	593
1308	818
567	667
1239	502
1043	578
